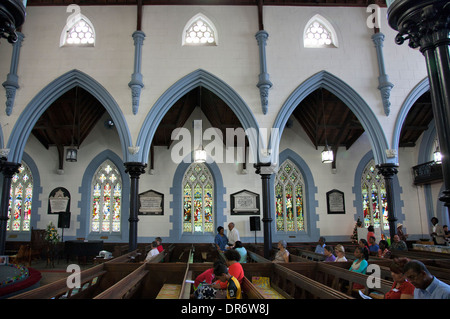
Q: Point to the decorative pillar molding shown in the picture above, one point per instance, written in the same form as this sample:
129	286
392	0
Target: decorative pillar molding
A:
8	169
266	171
384	85
426	25
135	169
389	170
12	80
264	83
136	83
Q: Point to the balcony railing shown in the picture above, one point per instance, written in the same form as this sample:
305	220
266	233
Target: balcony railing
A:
427	173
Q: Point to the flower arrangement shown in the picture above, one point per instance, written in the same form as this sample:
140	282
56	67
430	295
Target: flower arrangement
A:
51	234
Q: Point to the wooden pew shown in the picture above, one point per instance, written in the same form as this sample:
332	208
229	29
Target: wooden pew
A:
291	283
92	279
125	288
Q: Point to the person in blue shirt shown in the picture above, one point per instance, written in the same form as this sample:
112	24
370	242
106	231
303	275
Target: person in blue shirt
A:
373	247
321	246
221	239
427	285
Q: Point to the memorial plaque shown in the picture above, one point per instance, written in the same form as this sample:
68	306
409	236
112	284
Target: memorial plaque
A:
335	202
59	201
151	203
244	203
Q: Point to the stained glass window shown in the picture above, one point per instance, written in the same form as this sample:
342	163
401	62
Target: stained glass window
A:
374	199
289	198
106	199
198	200
200	31
20	198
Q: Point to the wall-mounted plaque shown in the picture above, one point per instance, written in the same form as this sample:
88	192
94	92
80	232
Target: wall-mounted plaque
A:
244	203
151	203
59	201
335	202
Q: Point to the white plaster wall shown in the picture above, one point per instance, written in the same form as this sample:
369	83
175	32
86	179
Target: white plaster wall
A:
235	61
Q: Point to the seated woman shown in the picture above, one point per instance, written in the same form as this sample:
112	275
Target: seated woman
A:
282	255
384	251
340	253
359	265
401	288
241	250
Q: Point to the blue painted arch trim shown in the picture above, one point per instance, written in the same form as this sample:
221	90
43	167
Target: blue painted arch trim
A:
347	95
358	194
312	232
417	92
178	90
176	233
85	201
37	106
36	202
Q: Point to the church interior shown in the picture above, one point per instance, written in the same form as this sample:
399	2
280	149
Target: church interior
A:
293	120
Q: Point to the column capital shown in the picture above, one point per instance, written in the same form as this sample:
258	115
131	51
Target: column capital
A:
9	168
424	23
265	168
135	169
388	170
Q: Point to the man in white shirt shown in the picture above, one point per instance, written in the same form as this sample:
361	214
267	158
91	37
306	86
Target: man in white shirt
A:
233	235
437	232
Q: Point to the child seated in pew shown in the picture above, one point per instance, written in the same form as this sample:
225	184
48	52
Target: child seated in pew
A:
232	284
153	252
206	277
328	253
234	268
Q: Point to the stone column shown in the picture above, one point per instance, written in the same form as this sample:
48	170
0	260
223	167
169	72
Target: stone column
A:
8	169
135	169
426	25
388	171
265	170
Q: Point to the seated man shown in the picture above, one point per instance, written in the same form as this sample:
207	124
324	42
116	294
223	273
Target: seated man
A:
321	246
373	247
233	285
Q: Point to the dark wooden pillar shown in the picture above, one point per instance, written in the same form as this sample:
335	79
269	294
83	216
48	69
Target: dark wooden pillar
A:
426	25
8	169
135	169
388	171
266	172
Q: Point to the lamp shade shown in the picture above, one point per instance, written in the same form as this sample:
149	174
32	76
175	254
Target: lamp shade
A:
437	156
71	155
200	156
327	155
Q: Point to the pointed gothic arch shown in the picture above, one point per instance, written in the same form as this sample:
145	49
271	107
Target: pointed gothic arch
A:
347	95
416	93
178	90
29	116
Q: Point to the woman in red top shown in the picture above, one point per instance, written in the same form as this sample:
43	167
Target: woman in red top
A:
401	289
234	267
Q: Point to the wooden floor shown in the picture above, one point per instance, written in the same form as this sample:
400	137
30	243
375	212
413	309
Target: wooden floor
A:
59	271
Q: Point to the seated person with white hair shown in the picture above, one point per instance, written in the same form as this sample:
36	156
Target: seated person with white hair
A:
282	255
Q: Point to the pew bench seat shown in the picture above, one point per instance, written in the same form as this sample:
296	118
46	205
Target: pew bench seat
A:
262	284
169	291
